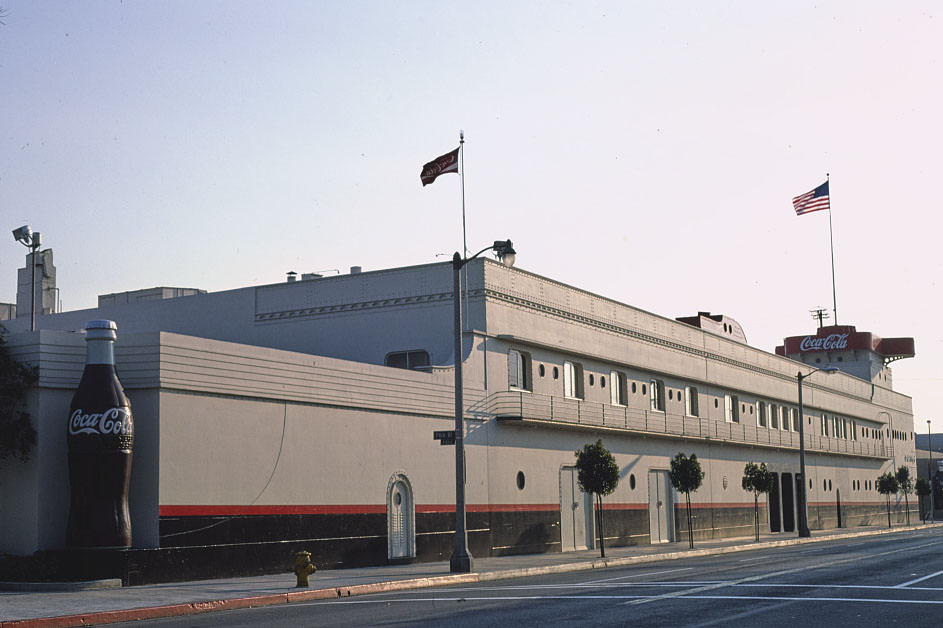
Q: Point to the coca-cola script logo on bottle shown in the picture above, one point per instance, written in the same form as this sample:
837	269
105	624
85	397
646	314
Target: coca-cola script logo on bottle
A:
830	342
111	421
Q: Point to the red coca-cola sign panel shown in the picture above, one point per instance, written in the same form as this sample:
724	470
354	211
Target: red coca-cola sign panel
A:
845	338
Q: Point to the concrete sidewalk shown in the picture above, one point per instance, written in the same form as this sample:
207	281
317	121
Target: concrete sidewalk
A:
49	605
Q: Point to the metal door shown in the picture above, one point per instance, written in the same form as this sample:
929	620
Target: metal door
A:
659	506
576	527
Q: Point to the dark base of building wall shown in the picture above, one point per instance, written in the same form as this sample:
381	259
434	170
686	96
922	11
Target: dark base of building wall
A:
364	543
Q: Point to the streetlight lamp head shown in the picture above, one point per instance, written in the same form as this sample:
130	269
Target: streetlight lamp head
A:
23	235
829	368
505	252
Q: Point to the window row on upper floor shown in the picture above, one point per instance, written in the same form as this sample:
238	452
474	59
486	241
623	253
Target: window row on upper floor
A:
656	395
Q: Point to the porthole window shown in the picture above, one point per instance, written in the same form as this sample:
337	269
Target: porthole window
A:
829	485
520	480
751	409
397	498
810	484
591	379
715	403
824	485
725	482
632	481
541	370
602	381
671	394
556	372
633	388
644	390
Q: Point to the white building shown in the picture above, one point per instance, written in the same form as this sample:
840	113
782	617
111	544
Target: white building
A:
274	418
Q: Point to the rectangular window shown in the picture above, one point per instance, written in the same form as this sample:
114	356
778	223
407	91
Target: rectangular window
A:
854	430
824	425
416	359
690	401
573	380
617	388
732	408
773	417
761	418
657	395
795	419
519	375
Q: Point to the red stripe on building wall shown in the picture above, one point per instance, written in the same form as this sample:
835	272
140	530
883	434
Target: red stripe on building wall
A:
379	509
230	511
618	506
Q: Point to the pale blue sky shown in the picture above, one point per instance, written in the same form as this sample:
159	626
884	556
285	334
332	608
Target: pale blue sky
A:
644	151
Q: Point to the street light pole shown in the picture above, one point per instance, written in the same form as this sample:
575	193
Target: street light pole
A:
803	514
462	560
930	467
31	240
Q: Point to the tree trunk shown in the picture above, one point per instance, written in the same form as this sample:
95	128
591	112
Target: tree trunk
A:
888	511
602	536
756	515
687	497
907	507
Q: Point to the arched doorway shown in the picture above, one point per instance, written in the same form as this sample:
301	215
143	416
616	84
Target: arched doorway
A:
400	518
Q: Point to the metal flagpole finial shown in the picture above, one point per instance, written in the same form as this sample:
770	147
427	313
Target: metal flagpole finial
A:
461	135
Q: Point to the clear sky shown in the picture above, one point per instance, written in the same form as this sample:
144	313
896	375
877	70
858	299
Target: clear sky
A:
648	152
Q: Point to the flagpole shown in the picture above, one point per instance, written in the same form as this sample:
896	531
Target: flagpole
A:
461	157
461	161
831	240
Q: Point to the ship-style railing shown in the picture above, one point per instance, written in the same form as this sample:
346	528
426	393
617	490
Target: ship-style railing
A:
510	405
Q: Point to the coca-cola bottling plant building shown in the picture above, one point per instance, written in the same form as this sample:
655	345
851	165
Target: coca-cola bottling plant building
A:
300	415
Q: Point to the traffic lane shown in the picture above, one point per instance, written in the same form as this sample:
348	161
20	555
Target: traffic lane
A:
785	586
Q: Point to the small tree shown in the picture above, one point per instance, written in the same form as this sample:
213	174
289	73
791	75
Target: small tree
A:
757	479
17	434
906	485
887	486
686	476
598	474
922	488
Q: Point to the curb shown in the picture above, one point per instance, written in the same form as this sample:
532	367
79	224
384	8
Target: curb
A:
195	608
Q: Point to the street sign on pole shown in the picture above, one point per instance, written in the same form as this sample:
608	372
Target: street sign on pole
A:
443	435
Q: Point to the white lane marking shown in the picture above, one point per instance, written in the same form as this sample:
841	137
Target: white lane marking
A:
783	572
519	598
639	575
836	586
907	584
752	560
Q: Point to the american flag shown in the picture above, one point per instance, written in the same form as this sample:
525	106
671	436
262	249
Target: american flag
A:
813	201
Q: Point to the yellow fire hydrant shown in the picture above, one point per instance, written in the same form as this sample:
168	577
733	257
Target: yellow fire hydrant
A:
303	568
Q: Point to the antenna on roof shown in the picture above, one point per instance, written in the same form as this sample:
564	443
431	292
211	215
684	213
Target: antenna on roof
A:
819	313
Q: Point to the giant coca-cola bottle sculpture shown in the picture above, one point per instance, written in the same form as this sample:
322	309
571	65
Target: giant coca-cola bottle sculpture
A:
100	437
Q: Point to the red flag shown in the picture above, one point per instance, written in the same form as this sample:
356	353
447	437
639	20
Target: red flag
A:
440	165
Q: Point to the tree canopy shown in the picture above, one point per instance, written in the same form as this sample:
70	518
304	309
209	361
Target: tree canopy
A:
597	471
17	434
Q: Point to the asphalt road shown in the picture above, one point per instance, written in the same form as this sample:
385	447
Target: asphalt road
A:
870	581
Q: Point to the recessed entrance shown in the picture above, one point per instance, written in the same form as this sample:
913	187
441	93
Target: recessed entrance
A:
400	518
